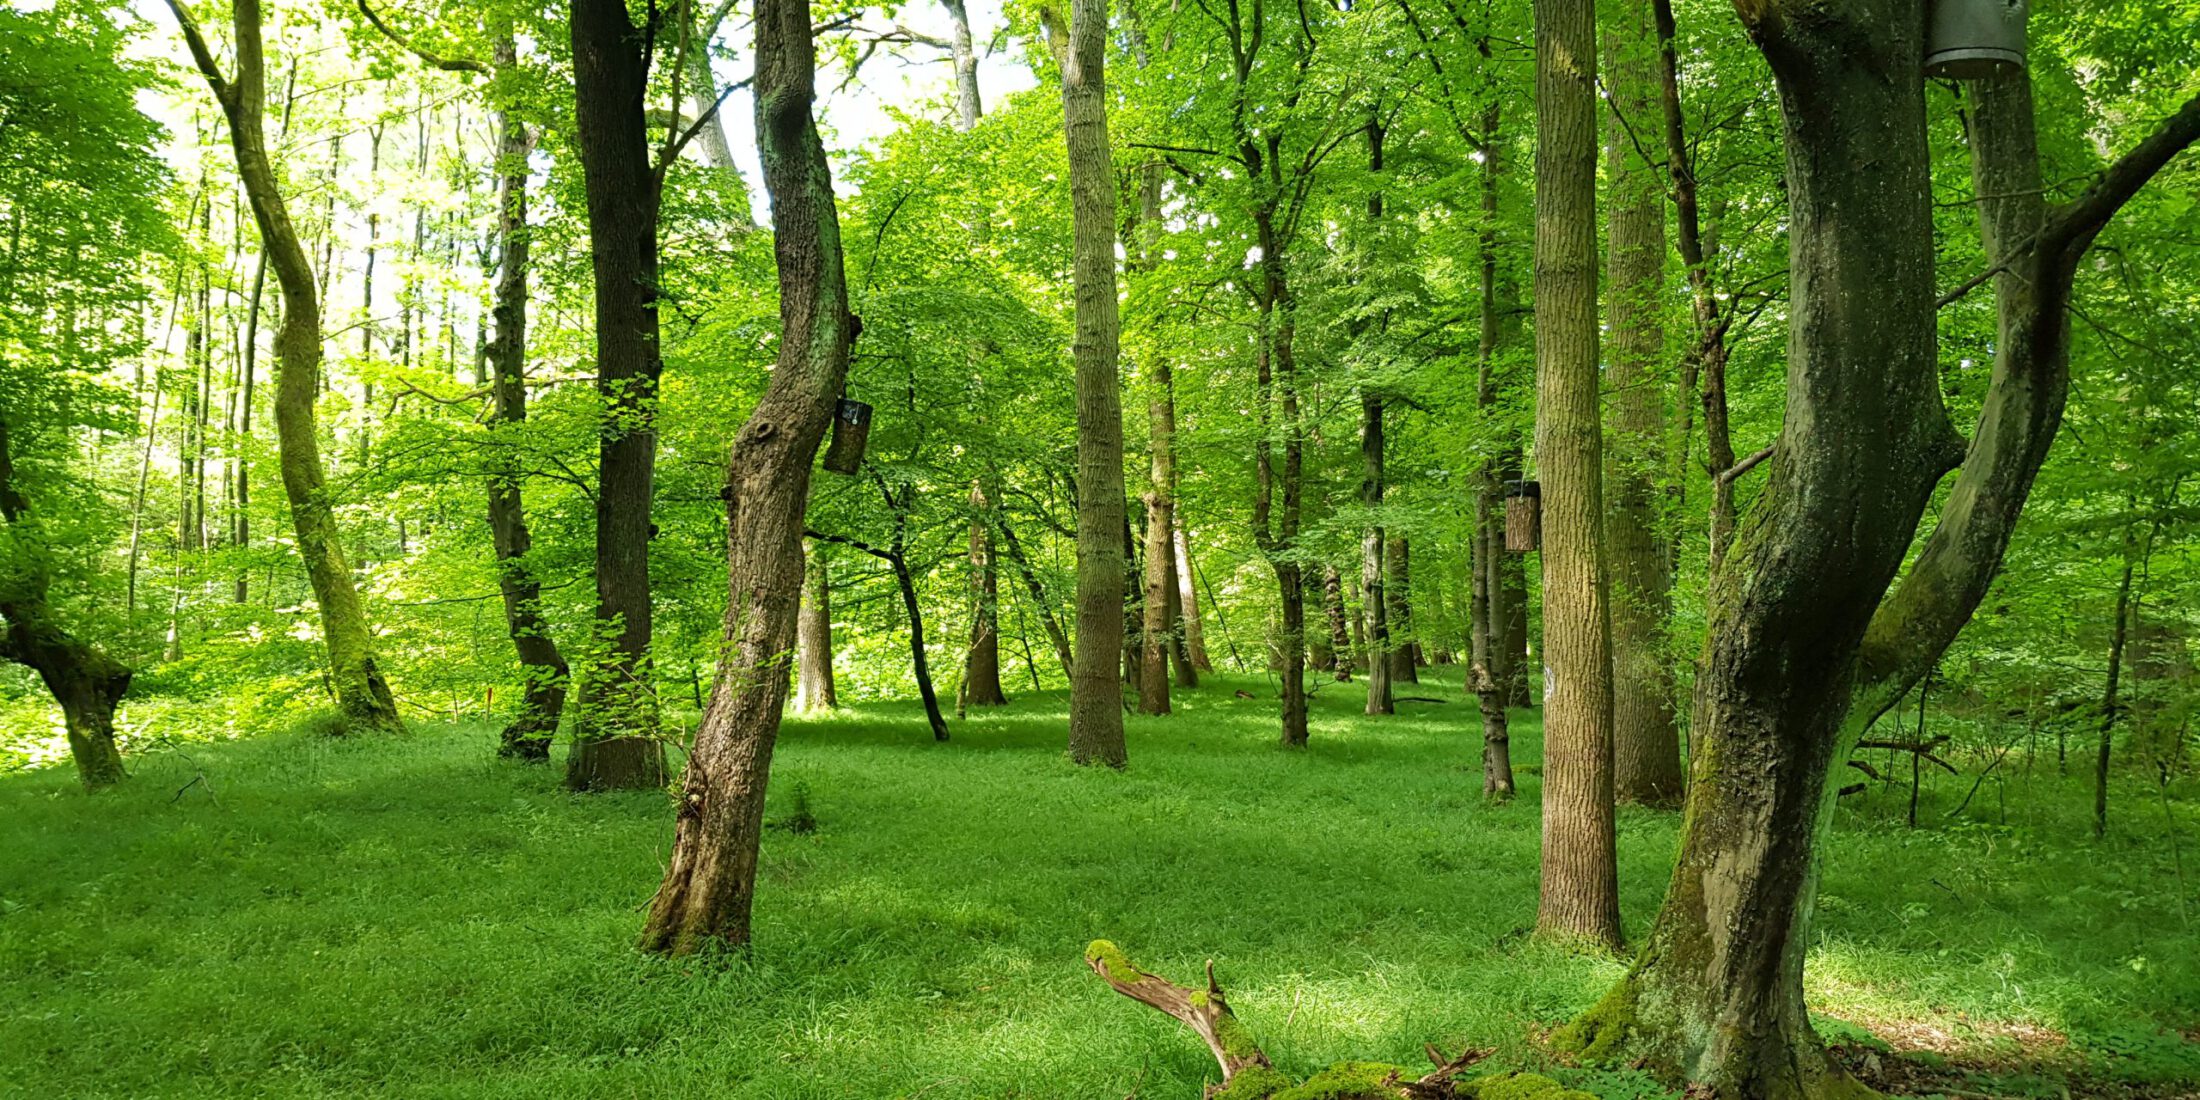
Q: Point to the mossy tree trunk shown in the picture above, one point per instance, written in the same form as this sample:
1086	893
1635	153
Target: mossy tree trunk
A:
710	881
1803	652
363	696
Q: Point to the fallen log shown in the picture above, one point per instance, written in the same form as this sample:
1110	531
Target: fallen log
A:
1248	1074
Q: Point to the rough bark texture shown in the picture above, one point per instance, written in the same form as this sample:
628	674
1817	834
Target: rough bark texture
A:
615	741
542	666
1096	708
982	669
363	697
1159	635
84	679
1580	895
965	55
814	634
1375	610
1646	746
711	879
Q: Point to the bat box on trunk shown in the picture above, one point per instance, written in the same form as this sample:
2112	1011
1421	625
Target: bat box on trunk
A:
1523	516
1971	39
851	429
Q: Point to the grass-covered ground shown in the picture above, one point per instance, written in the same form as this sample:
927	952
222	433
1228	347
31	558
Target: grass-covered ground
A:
407	917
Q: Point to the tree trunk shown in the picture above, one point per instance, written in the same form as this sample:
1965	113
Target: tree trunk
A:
84	680
1405	648
542	667
1195	634
967	106
918	661
982	669
1096	710
1336	653
1159	628
1580	896
711	879
2111	703
1489	666
814	634
1039	600
362	696
615	741
1375	612
1645	736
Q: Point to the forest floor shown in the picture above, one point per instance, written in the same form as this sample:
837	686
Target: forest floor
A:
294	916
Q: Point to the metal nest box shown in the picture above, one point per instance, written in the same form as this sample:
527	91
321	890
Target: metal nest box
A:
1972	39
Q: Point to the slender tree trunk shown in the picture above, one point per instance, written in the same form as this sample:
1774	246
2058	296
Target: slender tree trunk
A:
814	633
1580	878
710	881
241	531
1159	628
1039	600
1645	735
615	741
982	669
1337	653
362	695
1375	611
1096	713
1195	634
543	670
2111	701
1490	666
965	53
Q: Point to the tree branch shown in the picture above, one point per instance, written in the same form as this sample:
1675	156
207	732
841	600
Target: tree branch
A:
435	61
199	53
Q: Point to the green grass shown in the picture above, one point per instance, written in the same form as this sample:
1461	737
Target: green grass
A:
407	917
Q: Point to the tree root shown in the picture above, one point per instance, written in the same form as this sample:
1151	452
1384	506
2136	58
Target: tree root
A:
1248	1074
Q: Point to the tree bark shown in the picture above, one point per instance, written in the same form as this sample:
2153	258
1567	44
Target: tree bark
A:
363	697
814	633
1195	634
965	54
982	668
543	669
1645	735
1580	894
1159	633
1375	611
84	680
1096	711
1489	666
710	881
1405	648
615	741
2111	700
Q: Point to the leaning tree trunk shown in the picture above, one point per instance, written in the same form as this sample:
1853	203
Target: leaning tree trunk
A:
362	695
542	667
982	668
615	741
1645	736
711	879
1580	897
84	680
1096	708
814	634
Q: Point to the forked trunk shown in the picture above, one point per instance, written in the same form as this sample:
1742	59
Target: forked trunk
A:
710	881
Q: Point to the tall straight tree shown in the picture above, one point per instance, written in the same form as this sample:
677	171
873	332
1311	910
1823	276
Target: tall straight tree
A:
1645	736
1489	670
1580	896
710	882
615	743
1807	645
1095	709
362	695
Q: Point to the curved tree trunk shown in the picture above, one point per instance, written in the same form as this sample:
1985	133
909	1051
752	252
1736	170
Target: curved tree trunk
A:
814	634
84	680
1645	735
362	695
711	879
615	741
1580	897
1096	698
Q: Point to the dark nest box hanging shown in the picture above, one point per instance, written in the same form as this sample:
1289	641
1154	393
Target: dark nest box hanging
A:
851	429
1972	39
1523	516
